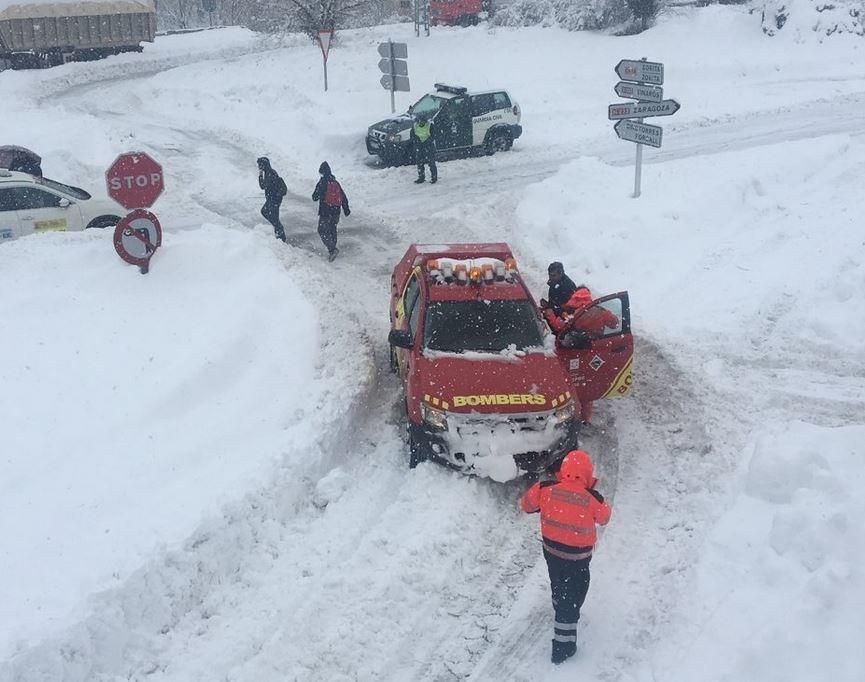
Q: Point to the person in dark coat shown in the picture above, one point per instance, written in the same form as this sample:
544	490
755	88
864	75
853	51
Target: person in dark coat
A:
274	190
561	289
331	198
424	148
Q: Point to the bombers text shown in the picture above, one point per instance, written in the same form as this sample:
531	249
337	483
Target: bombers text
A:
499	399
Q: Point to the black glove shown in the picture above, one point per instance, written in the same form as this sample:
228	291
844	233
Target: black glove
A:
545	303
594	493
347	212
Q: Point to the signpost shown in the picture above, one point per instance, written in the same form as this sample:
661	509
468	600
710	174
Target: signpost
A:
646	93
640	81
323	38
640	71
421	16
136	238
135	182
395	69
641	133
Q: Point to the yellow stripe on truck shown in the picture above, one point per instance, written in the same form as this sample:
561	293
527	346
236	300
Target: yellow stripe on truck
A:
622	385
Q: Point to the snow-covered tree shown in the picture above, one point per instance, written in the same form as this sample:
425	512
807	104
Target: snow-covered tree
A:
822	16
574	15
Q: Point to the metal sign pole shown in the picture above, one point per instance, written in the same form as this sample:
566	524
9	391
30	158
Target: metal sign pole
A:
325	74
393	72
639	167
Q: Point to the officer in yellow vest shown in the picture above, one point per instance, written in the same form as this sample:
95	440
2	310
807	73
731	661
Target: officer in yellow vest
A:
424	148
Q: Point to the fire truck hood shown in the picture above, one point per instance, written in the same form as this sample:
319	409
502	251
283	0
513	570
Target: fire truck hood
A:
493	383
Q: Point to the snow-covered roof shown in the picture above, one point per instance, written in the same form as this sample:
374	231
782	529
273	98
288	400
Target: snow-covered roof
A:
14	9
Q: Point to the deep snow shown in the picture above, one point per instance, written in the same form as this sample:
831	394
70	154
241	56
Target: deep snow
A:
246	463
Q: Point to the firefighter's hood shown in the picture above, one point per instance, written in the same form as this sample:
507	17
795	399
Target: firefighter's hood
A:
535	382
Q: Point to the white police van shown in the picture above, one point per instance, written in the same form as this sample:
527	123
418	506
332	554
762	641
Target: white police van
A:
30	204
464	123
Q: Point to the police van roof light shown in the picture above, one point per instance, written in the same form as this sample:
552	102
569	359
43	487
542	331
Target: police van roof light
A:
453	89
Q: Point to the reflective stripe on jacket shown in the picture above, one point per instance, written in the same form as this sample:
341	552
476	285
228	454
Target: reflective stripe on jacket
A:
569	512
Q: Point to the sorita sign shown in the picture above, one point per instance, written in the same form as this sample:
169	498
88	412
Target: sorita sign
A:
134	180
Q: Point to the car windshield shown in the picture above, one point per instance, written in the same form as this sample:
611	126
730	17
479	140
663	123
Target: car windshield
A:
75	192
429	105
491	326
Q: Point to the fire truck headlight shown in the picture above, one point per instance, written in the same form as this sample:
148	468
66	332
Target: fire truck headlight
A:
435	419
563	415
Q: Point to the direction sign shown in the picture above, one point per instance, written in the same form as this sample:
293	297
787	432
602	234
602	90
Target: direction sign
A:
395	83
137	236
666	107
394	67
646	93
641	133
134	180
400	50
640	71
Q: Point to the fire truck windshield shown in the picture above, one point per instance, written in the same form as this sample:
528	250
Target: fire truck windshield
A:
491	326
428	104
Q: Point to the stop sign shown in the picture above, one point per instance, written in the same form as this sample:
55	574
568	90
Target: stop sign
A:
134	180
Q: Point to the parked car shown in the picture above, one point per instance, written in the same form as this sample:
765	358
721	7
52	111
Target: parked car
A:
30	204
464	123
487	388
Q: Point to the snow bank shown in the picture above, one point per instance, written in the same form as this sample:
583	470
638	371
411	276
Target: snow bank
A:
134	406
823	17
723	247
780	584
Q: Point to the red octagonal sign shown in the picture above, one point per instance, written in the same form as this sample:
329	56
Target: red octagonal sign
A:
134	180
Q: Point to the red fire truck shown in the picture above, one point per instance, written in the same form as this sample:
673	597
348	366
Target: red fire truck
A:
488	389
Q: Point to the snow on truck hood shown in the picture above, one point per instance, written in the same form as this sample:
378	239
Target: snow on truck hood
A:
493	383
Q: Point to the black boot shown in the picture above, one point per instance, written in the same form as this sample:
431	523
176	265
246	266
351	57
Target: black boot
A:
562	651
419	181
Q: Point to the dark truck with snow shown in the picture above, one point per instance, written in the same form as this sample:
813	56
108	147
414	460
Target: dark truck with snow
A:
39	35
488	390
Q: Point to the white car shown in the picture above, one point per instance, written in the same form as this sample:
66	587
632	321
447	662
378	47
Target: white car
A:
464	123
29	204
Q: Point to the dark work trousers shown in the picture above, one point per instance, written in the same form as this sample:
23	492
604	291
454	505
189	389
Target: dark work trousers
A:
426	156
327	231
270	211
569	582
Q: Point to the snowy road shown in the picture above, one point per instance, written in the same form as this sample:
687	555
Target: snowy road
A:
351	567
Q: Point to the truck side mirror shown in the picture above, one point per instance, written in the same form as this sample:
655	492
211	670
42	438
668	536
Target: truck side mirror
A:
400	338
64	202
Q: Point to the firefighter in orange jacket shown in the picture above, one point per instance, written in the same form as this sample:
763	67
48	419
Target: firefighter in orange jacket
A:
570	508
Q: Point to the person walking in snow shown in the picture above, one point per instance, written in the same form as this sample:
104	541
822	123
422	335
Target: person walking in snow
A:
331	198
274	190
424	148
570	509
561	287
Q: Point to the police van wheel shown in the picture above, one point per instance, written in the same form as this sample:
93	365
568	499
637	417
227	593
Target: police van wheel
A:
499	142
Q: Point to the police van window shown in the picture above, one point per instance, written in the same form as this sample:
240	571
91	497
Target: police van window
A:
428	104
7	199
501	101
25	198
482	104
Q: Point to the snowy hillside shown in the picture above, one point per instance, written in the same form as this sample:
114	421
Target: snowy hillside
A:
202	475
